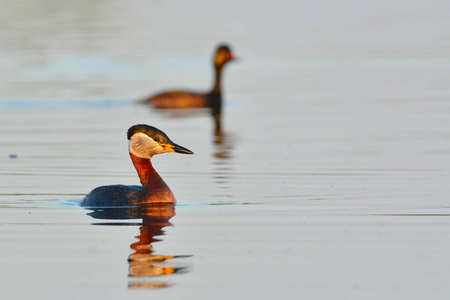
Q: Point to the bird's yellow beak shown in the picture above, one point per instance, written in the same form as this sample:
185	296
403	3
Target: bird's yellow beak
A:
176	148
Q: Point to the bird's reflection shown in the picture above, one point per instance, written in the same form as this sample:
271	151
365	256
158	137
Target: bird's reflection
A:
143	262
222	140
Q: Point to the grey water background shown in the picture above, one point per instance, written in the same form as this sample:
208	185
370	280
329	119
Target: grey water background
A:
330	178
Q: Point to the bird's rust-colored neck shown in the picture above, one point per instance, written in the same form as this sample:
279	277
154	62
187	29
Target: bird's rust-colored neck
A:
156	190
218	74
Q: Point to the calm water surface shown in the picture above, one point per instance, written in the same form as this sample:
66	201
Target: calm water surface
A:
328	178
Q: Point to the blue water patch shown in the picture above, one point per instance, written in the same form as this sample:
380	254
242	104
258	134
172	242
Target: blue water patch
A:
69	202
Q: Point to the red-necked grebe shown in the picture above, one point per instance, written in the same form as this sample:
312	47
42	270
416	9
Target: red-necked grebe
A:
144	142
188	99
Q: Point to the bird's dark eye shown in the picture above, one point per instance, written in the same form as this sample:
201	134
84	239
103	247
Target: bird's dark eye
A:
156	139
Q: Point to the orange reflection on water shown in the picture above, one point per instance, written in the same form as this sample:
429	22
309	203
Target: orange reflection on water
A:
143	263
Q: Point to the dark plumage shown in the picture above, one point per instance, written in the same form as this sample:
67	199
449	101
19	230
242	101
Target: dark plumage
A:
124	195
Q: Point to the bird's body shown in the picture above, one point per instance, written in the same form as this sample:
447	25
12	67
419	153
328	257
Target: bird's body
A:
191	99
126	195
145	141
180	99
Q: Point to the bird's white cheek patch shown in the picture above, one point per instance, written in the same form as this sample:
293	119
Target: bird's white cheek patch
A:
143	146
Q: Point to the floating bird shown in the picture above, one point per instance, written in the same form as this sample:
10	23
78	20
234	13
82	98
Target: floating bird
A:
188	99
144	142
